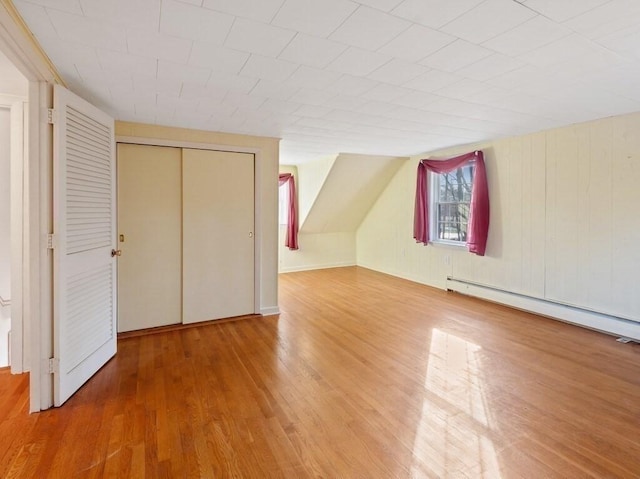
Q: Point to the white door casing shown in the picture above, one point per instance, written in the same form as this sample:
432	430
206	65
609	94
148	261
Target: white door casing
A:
84	271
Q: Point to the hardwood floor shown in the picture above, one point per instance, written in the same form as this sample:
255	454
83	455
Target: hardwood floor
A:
362	376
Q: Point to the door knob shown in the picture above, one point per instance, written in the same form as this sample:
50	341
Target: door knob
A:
250	234
116	252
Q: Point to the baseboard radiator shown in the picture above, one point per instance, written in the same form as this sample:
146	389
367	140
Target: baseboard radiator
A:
583	317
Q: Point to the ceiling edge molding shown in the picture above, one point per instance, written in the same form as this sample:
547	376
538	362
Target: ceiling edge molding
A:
23	49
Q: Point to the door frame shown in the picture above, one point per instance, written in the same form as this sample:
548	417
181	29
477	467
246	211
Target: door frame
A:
21	48
257	165
19	357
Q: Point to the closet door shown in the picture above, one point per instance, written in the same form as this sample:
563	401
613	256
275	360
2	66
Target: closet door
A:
218	240
149	227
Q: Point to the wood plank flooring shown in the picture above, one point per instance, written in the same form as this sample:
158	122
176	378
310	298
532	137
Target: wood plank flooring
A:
362	376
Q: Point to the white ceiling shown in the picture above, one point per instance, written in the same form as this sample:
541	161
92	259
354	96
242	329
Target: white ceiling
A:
382	77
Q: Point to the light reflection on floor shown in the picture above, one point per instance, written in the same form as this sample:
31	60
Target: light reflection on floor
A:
453	435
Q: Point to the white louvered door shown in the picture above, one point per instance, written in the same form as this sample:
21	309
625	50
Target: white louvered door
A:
84	236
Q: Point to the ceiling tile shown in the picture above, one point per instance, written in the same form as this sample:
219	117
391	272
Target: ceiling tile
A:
194	93
88	31
319	18
369	29
416	99
67	55
626	42
563	10
195	23
310	96
488	19
313	111
490	67
462	89
98	78
262	11
158	45
351	85
38	20
573	54
416	43
455	56
528	36
255	37
176	72
312	51
146	83
276	90
223	60
110	60
69	6
384	5
607	19
307	77
355	61
375	107
138	14
432	81
397	72
244	101
232	83
345	102
386	93
268	68
433	13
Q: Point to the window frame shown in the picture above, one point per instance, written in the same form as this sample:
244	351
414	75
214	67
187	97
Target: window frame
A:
433	179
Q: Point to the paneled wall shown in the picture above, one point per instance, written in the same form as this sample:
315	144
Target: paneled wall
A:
564	221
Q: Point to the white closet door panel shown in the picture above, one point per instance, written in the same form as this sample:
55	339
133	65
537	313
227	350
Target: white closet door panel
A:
84	226
218	240
150	221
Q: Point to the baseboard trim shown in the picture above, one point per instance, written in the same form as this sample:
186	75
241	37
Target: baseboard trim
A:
272	311
180	326
312	267
569	314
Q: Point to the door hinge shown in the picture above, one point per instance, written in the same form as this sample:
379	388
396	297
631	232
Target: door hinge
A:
51	116
51	241
54	366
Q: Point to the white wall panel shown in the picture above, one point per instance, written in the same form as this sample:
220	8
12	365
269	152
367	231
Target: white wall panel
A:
564	222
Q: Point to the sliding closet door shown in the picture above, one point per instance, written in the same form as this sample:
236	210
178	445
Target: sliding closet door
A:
218	242
149	227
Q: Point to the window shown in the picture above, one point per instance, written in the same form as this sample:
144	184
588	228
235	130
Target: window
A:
457	209
283	204
451	204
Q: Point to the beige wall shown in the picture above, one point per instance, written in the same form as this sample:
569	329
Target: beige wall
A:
268	183
326	250
564	221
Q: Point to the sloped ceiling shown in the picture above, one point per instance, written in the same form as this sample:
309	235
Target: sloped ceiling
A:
350	188
392	77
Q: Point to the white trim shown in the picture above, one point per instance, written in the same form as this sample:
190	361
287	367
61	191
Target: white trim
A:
570	314
137	140
270	311
257	186
19	354
312	267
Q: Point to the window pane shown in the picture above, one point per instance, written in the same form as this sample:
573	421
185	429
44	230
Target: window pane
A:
283	204
452	205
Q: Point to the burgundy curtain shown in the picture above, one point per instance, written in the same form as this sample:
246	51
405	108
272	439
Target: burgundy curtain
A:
478	228
291	241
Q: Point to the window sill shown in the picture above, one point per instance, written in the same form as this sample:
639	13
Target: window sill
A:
448	244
